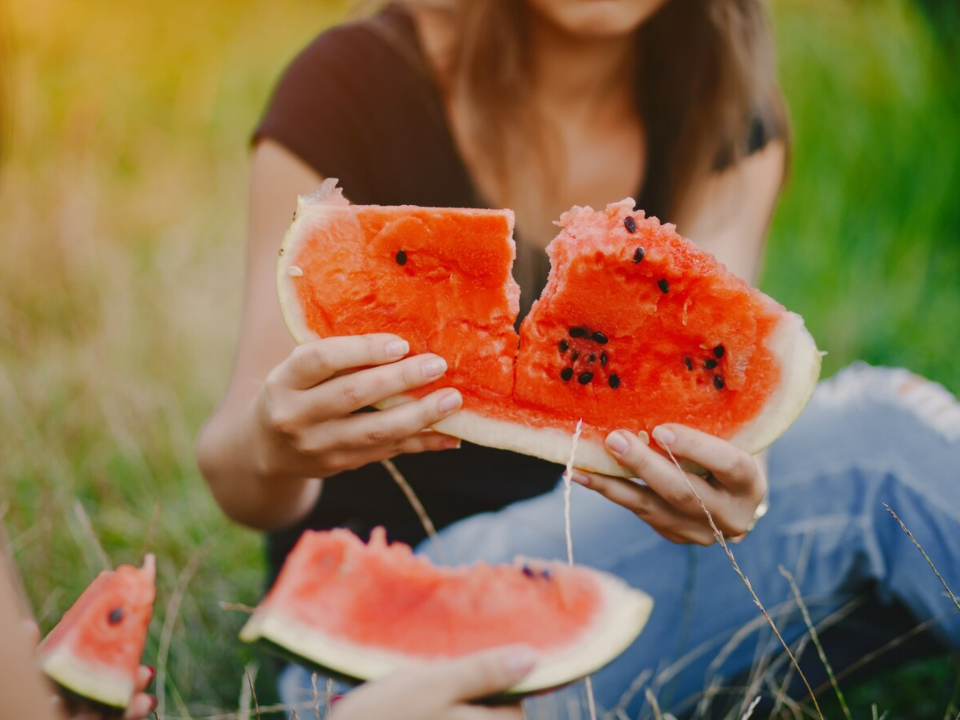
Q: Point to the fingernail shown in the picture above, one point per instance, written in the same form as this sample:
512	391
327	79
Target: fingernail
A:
617	443
396	348
153	673
153	702
644	437
664	436
434	367
580	478
450	402
451	444
520	660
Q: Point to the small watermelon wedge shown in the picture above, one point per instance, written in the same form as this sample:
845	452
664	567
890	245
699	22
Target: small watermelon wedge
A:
361	611
94	651
636	326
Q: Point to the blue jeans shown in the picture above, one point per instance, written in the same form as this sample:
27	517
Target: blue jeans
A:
870	438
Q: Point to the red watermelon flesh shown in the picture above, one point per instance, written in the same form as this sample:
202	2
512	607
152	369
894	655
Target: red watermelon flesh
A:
95	649
364	610
636	326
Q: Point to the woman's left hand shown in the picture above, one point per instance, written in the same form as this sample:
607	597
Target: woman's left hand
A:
732	491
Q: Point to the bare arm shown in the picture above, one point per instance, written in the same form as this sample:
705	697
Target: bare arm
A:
286	420
736	206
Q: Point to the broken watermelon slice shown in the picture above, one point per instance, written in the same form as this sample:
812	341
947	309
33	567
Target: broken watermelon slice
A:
636	326
94	651
361	611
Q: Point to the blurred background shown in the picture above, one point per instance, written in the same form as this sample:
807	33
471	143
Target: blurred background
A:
122	220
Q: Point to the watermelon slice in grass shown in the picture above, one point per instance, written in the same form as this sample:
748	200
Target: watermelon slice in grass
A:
94	651
361	611
636	326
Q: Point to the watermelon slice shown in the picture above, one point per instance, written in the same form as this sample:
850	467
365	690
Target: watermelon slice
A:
94	651
362	611
636	326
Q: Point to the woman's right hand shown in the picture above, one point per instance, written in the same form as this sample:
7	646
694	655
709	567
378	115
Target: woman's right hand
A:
306	408
443	691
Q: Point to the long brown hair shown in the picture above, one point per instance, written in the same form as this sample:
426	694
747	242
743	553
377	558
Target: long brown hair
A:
705	77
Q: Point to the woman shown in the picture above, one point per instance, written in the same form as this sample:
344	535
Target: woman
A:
540	105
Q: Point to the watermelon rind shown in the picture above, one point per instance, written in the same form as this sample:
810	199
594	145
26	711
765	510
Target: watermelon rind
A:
616	625
90	682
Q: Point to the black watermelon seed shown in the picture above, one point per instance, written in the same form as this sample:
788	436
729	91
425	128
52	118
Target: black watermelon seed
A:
688	362
401	258
574	355
584	377
528	571
564	346
718	382
710	364
599	337
577	332
663	285
630	224
592	358
566	374
614	381
638	255
603	359
115	616
718	351
545	574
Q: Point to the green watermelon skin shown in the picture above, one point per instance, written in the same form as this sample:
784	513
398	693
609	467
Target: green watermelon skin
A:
363	611
636	326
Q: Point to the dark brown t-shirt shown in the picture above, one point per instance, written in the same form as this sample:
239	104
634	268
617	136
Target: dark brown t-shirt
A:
359	104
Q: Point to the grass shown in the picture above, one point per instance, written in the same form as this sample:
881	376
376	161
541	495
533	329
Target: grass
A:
122	214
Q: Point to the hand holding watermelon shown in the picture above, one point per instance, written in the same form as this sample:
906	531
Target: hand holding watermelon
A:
732	490
306	408
443	690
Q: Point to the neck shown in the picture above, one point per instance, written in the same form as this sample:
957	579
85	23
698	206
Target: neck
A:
577	75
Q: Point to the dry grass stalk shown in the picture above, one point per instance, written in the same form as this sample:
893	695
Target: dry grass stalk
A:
253	694
91	535
812	630
736	566
925	556
170	619
417	507
751	708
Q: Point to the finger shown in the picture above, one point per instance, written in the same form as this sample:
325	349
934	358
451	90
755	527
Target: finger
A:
31	630
467	712
140	706
145	675
393	426
485	673
426	441
313	362
643	502
348	393
734	468
683	490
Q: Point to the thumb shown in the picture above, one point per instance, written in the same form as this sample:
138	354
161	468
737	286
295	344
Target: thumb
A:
488	672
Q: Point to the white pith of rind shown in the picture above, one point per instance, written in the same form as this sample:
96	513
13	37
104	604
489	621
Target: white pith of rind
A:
790	343
799	361
312	212
622	616
87	680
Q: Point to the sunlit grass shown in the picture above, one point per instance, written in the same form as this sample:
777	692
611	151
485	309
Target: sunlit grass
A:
122	214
